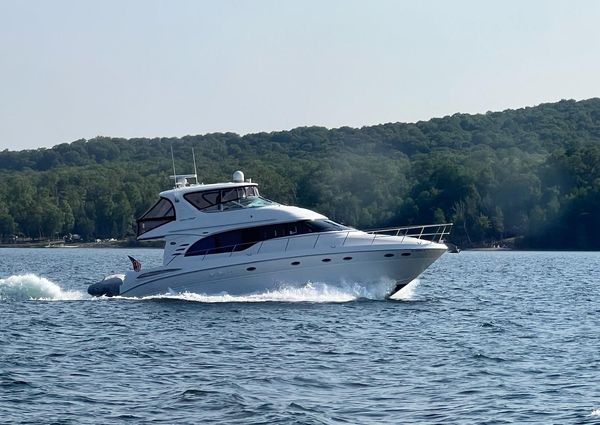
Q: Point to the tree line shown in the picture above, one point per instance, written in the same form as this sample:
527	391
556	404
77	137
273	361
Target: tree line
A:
528	177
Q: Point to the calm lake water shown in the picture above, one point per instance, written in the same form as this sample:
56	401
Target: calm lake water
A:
482	337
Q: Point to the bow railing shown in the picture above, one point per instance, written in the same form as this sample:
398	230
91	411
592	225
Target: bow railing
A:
429	232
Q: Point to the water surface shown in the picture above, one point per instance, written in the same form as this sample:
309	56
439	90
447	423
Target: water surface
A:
482	337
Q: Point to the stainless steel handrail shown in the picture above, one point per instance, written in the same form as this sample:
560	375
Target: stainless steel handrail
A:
418	232
404	231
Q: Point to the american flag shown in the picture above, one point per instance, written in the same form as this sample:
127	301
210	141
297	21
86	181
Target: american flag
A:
137	266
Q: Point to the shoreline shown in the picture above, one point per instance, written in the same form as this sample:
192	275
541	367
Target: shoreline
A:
112	244
122	244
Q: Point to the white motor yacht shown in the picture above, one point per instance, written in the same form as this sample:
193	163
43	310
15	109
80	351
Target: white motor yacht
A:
226	238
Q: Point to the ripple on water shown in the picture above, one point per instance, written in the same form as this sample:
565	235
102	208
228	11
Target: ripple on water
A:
11	381
192	394
482	337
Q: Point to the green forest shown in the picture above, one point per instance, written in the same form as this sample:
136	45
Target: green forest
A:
528	177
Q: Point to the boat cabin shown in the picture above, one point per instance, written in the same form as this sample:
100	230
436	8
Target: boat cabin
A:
205	199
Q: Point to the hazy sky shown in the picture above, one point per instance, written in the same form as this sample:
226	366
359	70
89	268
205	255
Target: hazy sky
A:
78	69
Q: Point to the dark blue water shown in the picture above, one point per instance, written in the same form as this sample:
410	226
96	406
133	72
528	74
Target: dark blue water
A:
483	337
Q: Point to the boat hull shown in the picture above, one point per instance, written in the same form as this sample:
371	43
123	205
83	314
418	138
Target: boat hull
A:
386	270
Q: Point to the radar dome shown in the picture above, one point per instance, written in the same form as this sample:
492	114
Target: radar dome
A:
238	177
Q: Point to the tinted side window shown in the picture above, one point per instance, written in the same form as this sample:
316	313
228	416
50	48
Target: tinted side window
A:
229	195
325	226
241	239
202	200
161	213
163	208
300	228
234	240
251	234
202	247
250	191
226	239
210	200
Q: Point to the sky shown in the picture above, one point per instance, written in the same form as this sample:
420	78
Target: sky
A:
125	68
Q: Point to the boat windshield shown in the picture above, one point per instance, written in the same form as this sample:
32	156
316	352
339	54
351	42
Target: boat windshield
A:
161	213
227	199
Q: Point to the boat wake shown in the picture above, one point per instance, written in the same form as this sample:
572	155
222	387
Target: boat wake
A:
32	287
408	292
315	292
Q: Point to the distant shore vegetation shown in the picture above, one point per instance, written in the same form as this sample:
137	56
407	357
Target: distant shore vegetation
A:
527	178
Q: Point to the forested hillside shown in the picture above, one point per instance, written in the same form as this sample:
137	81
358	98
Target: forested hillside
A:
531	173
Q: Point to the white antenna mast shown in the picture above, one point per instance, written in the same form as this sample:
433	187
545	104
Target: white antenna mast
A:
195	170
173	160
181	180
